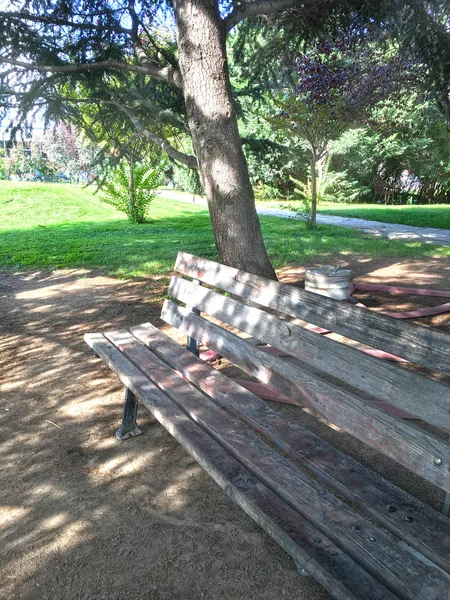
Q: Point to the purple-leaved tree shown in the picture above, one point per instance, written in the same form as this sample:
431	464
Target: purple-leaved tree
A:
338	83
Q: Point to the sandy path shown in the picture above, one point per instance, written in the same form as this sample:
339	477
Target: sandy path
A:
83	516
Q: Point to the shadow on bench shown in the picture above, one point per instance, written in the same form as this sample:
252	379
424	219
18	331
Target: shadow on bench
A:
358	534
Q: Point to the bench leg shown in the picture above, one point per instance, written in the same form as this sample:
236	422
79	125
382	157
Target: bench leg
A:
301	571
446	509
129	427
191	344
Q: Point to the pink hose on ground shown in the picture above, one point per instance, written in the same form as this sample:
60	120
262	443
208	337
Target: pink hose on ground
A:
396	290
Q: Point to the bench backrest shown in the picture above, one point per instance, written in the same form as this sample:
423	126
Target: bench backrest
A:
333	379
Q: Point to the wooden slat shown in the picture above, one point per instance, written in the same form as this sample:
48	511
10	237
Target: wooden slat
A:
381	380
400	571
418	344
338	573
403	514
406	444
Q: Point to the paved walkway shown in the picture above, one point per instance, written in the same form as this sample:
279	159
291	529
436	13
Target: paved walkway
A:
391	231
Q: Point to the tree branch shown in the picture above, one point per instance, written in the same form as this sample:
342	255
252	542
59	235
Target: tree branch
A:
169	58
165	115
166	74
138	46
44	100
186	159
49	20
257	7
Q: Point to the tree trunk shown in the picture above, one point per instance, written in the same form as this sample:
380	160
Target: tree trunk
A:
313	191
217	144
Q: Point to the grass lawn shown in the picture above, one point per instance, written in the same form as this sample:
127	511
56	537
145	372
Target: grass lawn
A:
433	215
62	226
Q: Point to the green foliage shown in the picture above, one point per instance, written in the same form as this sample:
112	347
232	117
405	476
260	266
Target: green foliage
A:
303	212
115	136
271	155
186	180
331	187
2	165
406	144
339	187
264	192
24	161
271	161
131	190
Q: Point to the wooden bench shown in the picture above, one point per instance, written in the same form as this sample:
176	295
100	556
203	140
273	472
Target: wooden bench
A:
381	188
358	534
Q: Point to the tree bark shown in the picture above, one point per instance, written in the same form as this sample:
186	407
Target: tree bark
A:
313	190
216	141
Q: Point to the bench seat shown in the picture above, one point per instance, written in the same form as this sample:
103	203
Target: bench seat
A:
357	533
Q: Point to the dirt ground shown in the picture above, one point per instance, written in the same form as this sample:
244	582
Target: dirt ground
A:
85	517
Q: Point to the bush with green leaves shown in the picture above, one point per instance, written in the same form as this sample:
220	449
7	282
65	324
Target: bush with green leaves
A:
24	160
340	187
265	192
131	190
186	180
2	165
406	144
303	192
301	213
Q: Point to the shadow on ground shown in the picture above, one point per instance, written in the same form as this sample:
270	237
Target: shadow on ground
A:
84	516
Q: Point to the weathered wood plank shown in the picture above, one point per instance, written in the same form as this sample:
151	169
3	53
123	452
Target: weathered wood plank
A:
379	379
338	573
400	512
408	445
418	344
400	571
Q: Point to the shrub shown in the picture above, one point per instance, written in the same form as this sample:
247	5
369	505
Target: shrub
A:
302	213
186	180
266	192
131	190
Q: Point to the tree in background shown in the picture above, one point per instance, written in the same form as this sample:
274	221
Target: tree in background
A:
2	165
338	85
406	144
26	160
271	156
67	151
126	161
